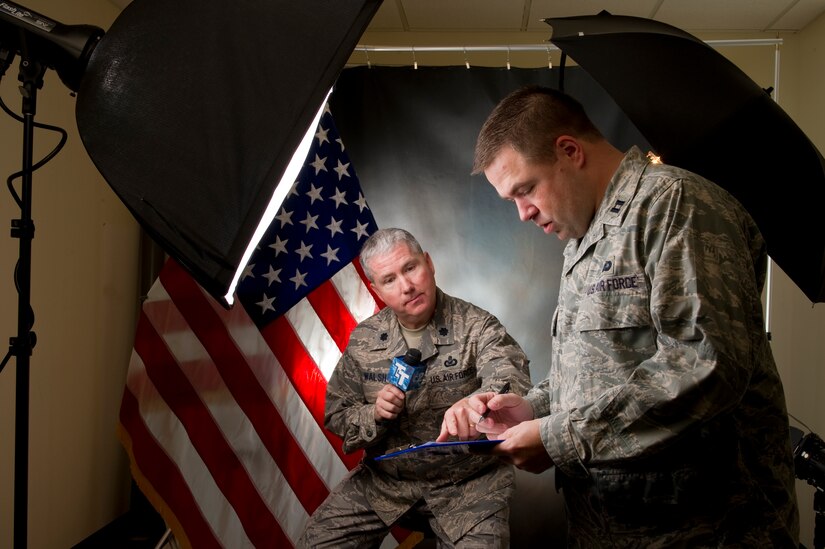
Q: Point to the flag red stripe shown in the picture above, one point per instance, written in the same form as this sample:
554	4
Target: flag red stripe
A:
308	381
245	388
379	304
226	395
334	314
224	466
163	475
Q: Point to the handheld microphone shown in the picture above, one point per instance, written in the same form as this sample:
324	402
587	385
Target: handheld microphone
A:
407	372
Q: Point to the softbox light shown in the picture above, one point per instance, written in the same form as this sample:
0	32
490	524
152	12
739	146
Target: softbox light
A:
193	109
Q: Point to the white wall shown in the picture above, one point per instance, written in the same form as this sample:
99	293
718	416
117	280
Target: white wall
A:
798	327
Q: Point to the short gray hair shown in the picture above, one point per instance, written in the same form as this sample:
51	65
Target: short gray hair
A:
382	241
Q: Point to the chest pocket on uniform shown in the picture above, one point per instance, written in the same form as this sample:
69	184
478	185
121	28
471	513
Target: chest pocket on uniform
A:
611	302
613	329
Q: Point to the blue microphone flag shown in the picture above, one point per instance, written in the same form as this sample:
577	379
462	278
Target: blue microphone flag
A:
407	372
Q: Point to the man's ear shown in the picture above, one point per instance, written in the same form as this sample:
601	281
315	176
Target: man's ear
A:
570	148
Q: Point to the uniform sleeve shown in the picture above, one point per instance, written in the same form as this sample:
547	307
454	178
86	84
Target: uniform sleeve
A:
500	359
347	412
703	322
539	398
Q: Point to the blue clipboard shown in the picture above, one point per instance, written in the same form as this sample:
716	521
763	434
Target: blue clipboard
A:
449	448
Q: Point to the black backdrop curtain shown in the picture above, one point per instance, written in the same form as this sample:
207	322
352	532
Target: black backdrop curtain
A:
410	135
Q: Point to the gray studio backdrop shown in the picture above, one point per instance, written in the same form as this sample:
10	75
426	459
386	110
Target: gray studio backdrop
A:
410	135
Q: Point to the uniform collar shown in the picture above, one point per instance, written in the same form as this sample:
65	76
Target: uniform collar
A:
439	331
613	207
621	189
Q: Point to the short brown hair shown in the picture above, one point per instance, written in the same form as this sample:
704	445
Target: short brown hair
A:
530	120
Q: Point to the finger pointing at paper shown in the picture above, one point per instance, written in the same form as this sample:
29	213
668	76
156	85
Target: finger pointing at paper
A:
502	412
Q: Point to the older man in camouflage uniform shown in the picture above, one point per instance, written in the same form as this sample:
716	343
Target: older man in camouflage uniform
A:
663	411
466	351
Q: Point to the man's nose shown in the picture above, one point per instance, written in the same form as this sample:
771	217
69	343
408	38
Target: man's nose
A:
526	211
406	284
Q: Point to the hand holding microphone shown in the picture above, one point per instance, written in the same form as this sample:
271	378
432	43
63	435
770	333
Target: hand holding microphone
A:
388	402
405	374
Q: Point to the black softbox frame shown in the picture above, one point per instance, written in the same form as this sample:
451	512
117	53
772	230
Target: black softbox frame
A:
192	109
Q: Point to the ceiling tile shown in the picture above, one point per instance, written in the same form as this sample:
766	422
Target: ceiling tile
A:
508	15
541	9
716	15
800	15
387	18
439	15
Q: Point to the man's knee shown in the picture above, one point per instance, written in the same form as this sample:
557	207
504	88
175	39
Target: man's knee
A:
491	533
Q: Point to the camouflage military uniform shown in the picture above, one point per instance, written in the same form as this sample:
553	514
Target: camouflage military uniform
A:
466	350
663	410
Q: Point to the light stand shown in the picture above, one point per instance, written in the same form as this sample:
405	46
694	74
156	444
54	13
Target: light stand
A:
31	74
42	44
819	519
809	464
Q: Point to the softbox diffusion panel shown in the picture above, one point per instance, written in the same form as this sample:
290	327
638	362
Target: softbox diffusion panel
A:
192	109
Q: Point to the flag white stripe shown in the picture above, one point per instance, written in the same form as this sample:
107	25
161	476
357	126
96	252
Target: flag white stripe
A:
312	333
171	435
290	406
199	369
354	293
237	429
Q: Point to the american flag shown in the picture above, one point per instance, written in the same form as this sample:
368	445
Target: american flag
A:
222	413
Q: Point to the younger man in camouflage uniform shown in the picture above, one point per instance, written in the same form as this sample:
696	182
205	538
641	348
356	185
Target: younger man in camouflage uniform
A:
663	411
466	351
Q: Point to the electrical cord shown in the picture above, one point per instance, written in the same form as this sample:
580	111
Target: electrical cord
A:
63	138
6	58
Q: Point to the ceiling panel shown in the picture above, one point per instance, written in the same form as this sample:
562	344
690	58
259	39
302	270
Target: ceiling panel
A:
802	13
463	15
541	9
387	18
526	15
716	15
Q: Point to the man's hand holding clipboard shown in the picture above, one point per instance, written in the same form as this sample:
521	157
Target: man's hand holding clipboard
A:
502	416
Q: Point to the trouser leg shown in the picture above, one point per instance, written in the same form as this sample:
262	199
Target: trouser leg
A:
344	520
492	532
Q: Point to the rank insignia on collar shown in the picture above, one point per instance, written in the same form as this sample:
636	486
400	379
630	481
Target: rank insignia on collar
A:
443	331
384	336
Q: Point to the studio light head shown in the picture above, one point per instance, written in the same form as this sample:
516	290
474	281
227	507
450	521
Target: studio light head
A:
35	38
809	460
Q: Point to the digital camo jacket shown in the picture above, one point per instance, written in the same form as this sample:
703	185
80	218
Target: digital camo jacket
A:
466	350
663	400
